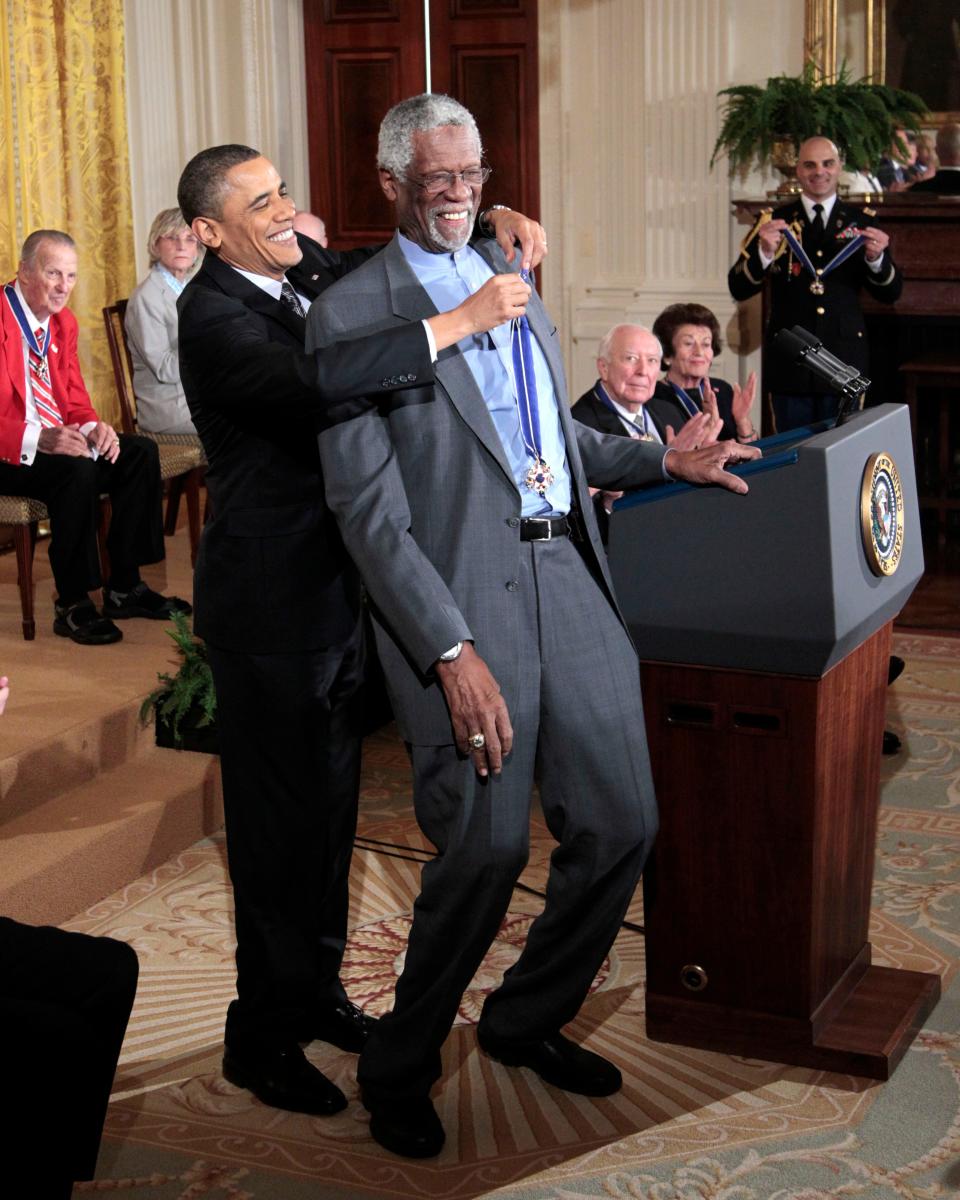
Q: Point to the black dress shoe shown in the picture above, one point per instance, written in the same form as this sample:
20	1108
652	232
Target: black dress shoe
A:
408	1126
891	743
84	625
895	669
557	1060
284	1079
142	601
343	1025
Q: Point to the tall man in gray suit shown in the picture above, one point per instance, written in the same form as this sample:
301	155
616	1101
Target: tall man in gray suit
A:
465	504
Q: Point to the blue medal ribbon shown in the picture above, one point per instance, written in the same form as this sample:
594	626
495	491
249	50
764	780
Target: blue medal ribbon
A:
818	272
540	476
688	405
602	396
21	317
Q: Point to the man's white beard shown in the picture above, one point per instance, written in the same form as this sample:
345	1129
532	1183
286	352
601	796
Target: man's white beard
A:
451	244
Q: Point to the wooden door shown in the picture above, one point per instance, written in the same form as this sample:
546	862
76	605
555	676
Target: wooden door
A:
363	56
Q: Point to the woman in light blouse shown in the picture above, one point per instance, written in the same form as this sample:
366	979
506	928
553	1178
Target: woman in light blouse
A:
151	325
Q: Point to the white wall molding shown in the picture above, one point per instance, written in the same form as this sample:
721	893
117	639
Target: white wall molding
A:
629	115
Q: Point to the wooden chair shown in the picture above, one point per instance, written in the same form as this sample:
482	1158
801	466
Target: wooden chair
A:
182	461
24	514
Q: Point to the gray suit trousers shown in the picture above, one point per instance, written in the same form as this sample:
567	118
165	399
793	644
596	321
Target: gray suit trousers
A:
578	725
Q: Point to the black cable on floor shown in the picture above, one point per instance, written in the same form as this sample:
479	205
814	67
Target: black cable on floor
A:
374	844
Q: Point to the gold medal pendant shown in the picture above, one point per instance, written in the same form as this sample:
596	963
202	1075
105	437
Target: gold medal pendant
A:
539	477
817	287
43	371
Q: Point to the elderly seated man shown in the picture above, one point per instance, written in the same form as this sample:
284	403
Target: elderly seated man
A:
628	363
54	448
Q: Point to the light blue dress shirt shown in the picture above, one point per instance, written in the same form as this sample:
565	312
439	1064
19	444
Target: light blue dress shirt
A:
173	283
449	279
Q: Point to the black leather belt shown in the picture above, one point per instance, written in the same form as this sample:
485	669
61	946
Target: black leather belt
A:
541	529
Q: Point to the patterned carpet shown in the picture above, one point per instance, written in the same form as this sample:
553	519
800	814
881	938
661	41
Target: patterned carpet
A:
688	1125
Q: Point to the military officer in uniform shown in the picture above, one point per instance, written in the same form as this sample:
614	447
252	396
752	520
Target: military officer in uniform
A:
818	254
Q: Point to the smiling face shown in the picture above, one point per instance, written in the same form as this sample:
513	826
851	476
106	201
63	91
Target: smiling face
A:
818	166
177	251
629	372
48	278
692	355
437	221
255	229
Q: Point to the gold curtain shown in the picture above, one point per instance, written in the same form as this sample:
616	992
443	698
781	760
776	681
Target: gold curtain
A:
63	152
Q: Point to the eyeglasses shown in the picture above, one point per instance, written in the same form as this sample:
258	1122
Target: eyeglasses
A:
179	239
441	181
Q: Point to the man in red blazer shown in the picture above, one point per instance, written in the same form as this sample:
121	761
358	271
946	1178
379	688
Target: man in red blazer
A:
55	448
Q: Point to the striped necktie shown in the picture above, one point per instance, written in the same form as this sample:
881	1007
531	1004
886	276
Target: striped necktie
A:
47	409
290	299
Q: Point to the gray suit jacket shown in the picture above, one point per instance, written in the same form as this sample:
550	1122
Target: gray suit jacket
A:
152	334
426	501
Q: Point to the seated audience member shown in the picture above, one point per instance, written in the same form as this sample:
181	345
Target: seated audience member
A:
65	1000
894	169
946	181
927	162
151	324
311	226
690	336
859	181
628	363
55	448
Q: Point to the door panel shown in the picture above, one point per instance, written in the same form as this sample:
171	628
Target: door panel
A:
363	56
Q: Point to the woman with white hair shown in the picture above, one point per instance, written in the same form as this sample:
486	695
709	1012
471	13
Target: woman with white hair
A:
151	325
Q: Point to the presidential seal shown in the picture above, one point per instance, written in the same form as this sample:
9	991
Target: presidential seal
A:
881	514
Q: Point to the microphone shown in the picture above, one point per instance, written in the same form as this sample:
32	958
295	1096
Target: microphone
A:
805	350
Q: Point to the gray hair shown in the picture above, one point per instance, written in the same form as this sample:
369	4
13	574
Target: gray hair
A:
603	350
30	247
417	114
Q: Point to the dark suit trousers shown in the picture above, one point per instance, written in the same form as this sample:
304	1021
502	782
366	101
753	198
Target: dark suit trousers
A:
290	759
71	487
64	1003
578	723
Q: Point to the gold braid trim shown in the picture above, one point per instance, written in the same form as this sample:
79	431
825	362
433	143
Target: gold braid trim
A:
766	214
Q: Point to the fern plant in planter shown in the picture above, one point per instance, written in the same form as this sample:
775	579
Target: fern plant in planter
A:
767	124
185	705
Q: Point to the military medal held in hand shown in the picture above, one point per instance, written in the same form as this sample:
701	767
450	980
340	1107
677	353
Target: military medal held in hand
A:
817	286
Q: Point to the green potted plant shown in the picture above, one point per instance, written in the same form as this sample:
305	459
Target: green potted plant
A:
767	124
184	706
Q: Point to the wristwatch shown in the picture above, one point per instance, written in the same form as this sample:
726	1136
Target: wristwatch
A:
484	225
453	653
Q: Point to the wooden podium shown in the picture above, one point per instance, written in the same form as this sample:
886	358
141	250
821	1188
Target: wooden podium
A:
765	640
